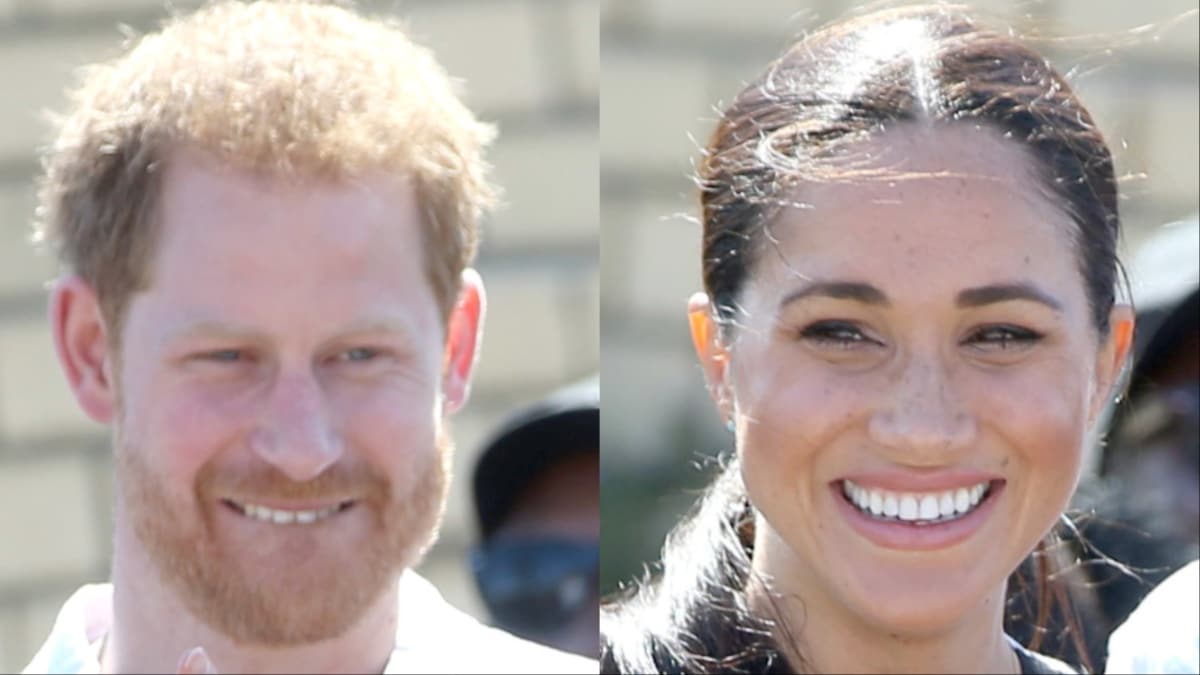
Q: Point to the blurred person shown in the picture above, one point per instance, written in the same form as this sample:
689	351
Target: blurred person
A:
1141	511
266	214
537	498
910	325
1163	633
1153	450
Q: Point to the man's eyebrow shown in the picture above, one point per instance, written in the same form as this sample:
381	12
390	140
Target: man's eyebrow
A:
838	290
376	325
213	328
993	293
222	329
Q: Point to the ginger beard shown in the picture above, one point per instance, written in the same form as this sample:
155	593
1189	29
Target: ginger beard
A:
328	590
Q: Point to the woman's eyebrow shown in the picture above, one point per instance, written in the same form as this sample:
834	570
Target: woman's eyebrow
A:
993	293
868	294
839	290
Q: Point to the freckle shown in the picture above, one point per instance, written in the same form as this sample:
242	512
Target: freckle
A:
1026	260
1004	462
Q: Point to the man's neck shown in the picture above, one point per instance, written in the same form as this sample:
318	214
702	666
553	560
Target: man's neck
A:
151	630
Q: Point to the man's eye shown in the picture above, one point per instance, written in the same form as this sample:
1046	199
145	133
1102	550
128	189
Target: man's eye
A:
839	334
359	354
225	356
1004	338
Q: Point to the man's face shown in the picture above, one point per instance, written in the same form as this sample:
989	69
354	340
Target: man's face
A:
280	445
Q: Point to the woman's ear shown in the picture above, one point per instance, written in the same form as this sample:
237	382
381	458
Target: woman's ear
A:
82	346
712	353
1111	359
464	332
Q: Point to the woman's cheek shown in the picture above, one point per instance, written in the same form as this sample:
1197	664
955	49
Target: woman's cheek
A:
787	428
1038	420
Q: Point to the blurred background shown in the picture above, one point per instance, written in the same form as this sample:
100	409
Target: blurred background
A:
668	65
530	66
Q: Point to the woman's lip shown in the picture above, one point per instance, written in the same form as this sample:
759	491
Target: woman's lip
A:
909	537
914	481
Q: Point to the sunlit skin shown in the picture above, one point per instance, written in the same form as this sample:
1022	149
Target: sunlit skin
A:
288	351
913	369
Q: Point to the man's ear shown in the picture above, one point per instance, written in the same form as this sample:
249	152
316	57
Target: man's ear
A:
712	353
464	331
1111	359
81	343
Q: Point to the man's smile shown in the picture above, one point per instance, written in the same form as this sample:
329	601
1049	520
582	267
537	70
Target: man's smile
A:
287	516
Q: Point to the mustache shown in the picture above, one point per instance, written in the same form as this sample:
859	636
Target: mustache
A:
339	481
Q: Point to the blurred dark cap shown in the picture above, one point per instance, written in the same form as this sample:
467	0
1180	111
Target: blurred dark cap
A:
1165	279
530	441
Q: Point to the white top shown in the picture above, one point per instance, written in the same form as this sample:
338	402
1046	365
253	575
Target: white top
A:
1163	634
431	637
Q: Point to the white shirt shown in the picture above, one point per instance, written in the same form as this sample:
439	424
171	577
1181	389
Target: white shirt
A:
1163	634
431	637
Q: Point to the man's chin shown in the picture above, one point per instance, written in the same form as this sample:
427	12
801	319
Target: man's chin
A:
284	590
274	602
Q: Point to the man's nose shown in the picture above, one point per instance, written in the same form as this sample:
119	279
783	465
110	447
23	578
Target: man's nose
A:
295	432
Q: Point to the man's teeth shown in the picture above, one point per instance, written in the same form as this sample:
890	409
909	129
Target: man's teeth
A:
915	507
285	517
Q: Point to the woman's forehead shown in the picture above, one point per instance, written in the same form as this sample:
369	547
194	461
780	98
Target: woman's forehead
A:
960	201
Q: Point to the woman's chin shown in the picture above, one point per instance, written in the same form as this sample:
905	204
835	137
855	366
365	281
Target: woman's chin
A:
918	612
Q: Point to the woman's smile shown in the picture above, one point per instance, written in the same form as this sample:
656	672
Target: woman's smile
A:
917	521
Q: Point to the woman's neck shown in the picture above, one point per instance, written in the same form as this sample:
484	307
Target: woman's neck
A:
818	633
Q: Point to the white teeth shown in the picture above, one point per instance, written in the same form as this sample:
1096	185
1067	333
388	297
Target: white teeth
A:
876	502
929	507
946	504
891	506
962	500
282	517
920	508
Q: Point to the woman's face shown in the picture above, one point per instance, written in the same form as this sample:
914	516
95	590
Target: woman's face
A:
925	346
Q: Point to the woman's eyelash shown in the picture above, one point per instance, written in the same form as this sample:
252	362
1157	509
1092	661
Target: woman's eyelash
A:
838	333
847	334
1004	336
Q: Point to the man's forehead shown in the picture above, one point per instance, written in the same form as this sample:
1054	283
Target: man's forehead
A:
187	165
184	324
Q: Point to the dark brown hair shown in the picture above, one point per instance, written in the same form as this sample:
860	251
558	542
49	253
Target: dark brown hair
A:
840	85
931	64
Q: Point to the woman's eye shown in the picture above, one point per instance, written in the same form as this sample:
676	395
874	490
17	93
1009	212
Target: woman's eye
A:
1004	338
840	334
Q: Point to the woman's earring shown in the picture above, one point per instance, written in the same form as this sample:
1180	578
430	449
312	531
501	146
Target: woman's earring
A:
729	426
